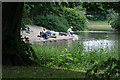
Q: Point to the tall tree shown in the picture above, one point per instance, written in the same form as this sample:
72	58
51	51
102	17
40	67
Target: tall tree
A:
14	48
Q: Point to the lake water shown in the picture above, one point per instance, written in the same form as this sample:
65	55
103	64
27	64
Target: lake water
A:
99	39
94	40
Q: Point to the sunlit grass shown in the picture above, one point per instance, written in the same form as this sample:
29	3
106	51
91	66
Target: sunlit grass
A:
99	26
97	22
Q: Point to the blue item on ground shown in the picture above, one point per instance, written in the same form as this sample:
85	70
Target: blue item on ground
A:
46	35
54	34
71	33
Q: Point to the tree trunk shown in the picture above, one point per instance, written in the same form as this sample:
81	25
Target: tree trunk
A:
13	52
119	36
119	21
31	14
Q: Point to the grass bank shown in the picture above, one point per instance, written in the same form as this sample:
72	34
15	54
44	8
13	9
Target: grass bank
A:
61	62
99	26
97	22
39	72
73	57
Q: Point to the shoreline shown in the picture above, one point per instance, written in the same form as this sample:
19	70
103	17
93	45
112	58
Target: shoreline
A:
35	30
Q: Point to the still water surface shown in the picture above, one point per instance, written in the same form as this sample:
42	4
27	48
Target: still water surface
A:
99	39
94	40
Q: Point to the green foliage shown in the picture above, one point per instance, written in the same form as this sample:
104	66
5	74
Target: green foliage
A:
92	6
25	18
26	45
99	63
97	15
112	15
95	11
111	5
46	8
116	23
52	22
80	9
113	19
49	10
37	71
75	19
99	10
109	68
73	57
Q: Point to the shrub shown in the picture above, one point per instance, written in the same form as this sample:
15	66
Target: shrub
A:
72	57
80	9
114	19
51	22
116	23
75	19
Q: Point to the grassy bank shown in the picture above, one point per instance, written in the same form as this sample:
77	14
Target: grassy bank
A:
99	26
73	57
97	22
39	72
61	62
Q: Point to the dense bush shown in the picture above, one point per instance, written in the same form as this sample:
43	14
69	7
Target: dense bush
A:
116	24
109	68
73	56
68	17
75	19
52	22
114	19
60	18
80	9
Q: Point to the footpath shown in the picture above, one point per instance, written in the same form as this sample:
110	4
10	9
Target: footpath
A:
35	31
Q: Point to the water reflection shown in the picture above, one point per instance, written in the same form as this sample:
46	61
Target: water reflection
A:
99	39
95	44
94	40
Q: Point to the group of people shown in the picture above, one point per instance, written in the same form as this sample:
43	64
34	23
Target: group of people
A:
45	33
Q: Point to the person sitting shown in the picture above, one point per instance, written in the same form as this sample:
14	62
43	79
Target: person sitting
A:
70	32
44	33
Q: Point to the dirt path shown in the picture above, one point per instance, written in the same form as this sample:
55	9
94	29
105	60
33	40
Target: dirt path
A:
35	30
99	25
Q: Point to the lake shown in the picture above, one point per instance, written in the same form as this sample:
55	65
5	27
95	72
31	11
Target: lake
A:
94	40
92	47
99	39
